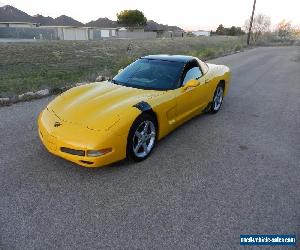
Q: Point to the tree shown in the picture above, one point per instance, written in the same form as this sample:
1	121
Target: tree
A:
261	24
131	18
296	31
233	31
221	30
284	30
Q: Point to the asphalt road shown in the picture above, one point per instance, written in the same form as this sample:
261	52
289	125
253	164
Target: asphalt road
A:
218	176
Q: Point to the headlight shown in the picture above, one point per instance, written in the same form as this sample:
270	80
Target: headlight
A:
95	153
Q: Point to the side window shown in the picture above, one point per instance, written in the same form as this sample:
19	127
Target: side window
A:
192	73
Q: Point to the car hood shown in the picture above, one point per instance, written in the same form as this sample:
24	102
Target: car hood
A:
97	105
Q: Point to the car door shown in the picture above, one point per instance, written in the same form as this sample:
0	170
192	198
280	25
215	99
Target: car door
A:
191	101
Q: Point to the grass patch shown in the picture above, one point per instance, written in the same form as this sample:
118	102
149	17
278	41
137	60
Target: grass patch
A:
50	64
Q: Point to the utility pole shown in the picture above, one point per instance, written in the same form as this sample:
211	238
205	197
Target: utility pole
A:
251	21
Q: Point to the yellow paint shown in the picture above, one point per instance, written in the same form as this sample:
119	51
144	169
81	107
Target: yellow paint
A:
99	115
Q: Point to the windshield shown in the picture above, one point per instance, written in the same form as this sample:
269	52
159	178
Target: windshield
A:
150	74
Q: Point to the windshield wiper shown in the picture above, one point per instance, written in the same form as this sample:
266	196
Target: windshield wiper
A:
115	82
119	83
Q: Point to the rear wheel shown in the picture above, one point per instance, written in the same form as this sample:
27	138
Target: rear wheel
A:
218	99
142	137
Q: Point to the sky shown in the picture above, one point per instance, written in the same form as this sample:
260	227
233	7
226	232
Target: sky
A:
190	15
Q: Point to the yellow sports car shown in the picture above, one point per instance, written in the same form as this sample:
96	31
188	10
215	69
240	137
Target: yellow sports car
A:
100	123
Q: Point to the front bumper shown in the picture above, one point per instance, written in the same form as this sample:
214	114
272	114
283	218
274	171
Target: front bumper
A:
78	140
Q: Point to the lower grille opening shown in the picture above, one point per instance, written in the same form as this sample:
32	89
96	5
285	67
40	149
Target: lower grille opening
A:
87	162
72	151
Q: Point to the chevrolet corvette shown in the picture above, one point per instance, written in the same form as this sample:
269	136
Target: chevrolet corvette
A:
103	122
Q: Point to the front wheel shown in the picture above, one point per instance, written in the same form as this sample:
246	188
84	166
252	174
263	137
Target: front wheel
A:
218	99
142	137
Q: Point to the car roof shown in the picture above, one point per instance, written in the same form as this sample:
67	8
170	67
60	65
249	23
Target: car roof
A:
171	58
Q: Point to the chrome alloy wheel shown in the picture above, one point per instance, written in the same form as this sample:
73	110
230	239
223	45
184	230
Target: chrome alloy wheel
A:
144	139
218	98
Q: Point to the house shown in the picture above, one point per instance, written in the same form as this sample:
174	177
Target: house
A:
69	32
96	33
201	33
75	33
18	25
163	30
25	30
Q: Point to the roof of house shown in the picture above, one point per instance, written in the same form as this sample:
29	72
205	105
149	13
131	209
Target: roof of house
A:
98	28
59	26
19	23
172	58
75	27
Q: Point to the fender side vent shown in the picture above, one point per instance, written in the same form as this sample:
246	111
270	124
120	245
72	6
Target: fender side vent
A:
142	106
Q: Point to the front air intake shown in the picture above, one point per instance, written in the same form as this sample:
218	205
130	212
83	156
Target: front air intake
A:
72	151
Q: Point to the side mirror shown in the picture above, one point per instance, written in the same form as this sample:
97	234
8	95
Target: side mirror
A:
120	70
191	84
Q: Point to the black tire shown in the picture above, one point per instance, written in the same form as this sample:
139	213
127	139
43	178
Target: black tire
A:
216	104
131	140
